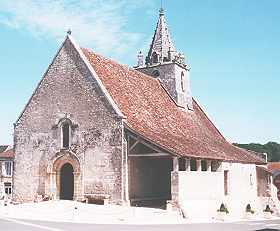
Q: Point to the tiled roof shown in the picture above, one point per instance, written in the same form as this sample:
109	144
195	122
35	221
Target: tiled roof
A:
7	154
272	166
151	112
3	148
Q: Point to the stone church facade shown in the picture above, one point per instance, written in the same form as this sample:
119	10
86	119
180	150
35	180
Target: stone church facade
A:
98	130
68	96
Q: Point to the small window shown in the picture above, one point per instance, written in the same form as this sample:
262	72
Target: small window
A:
7	168
65	135
203	165
193	165
8	188
183	81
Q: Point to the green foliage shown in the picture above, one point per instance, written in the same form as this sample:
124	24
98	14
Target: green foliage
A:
268	209
271	148
223	208
249	209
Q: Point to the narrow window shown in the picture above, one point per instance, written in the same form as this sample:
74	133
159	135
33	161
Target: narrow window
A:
251	180
182	81
193	165
65	135
226	182
203	165
7	168
8	188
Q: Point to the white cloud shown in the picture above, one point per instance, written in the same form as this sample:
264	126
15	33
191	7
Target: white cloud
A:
99	24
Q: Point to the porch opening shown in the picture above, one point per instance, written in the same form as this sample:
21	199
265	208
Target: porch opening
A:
66	182
150	181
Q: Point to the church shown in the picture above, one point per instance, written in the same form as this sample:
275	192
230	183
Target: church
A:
99	131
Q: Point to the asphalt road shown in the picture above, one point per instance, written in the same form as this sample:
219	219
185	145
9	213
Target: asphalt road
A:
24	225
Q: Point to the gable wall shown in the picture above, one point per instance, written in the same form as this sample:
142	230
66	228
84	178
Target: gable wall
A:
68	90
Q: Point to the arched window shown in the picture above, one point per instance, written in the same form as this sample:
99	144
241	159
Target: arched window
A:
65	131
182	81
154	57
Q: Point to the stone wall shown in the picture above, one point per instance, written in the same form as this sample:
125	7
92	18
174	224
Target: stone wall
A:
68	90
170	76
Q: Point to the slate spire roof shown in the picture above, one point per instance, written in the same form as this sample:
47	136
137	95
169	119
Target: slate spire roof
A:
162	44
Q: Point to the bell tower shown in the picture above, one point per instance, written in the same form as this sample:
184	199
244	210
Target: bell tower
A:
168	65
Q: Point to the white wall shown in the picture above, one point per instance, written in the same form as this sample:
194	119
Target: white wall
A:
242	188
201	193
197	185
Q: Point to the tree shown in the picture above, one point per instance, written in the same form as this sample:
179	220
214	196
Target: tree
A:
271	148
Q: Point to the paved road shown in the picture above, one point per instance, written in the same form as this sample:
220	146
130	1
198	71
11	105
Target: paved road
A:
24	225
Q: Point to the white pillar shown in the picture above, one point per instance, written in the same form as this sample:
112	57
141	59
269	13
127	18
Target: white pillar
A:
175	164
198	165
188	165
208	162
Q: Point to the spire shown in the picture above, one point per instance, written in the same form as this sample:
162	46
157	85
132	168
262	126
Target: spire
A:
162	48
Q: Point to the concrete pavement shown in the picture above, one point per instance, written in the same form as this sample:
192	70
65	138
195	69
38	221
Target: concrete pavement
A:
28	225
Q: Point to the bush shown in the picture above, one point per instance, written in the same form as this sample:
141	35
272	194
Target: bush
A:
268	209
223	209
249	209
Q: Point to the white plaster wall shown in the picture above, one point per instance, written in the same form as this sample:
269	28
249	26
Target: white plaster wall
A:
197	185
201	193
242	188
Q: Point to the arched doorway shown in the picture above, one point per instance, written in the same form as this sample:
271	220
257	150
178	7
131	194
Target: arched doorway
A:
66	182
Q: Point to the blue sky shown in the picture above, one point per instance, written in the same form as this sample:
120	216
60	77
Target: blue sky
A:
232	47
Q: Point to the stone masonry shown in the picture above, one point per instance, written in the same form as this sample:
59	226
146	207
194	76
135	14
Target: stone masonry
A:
68	91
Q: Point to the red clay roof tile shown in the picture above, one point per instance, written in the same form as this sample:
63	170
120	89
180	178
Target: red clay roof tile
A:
7	154
153	114
273	166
